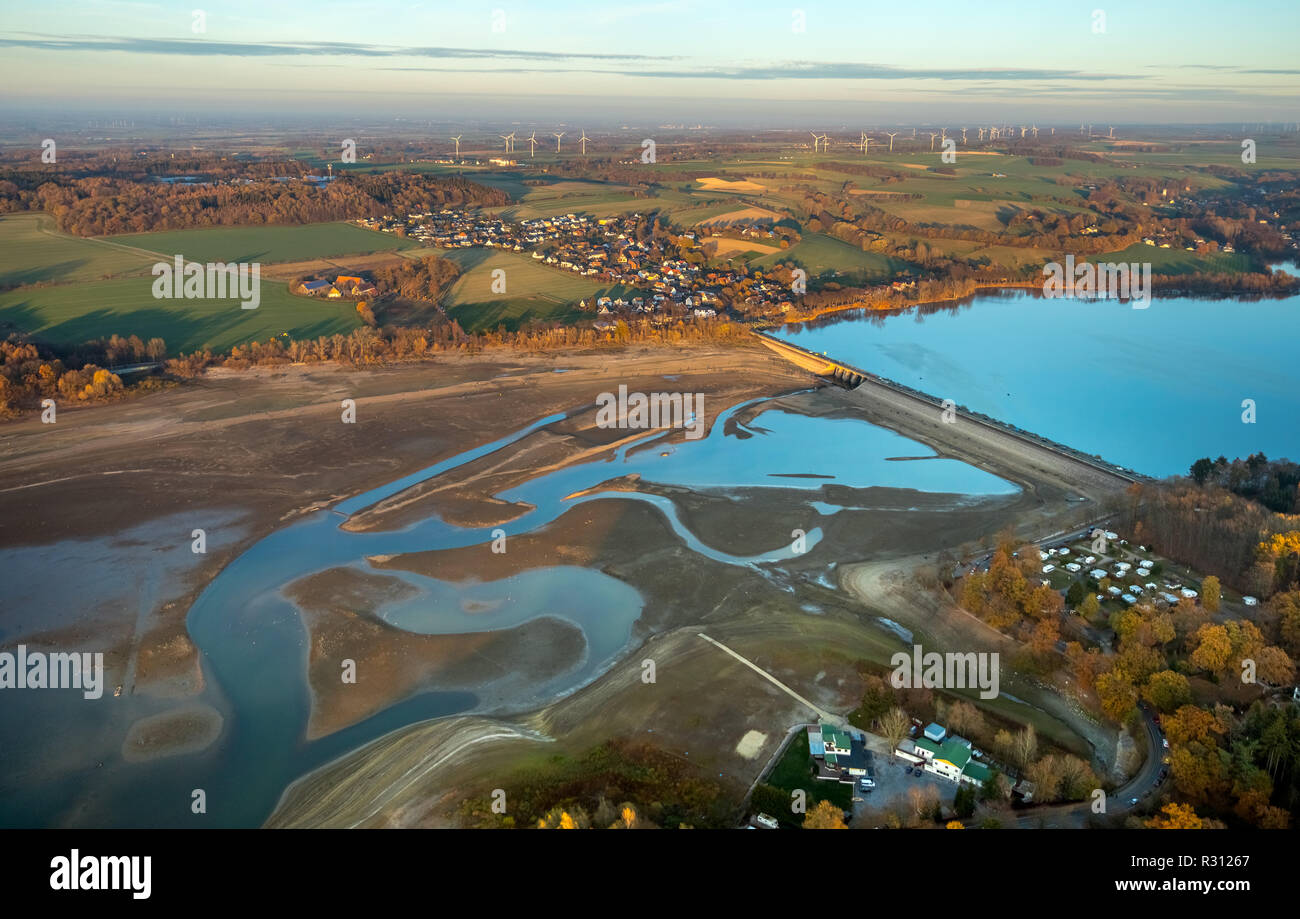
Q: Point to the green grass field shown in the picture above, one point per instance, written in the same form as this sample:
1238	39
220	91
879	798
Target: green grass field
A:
33	251
1178	261
824	255
266	244
533	291
73	313
794	770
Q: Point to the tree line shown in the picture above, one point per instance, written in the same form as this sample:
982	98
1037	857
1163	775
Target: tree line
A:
100	205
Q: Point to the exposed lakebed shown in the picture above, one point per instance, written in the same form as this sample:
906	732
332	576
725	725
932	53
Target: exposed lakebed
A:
256	647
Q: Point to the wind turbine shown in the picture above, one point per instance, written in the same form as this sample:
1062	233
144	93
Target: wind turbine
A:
1023	129
963	137
457	140
981	137
557	140
932	137
532	144
583	140
815	140
891	140
1112	132
1035	130
866	143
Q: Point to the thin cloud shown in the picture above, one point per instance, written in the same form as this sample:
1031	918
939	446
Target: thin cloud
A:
791	70
811	70
208	48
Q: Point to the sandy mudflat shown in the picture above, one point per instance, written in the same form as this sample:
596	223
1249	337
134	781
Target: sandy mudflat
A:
339	608
187	729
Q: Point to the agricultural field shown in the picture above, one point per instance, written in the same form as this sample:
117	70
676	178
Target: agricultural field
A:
822	255
69	314
533	291
34	251
1178	261
266	244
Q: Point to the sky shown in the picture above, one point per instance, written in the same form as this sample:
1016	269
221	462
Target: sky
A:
677	61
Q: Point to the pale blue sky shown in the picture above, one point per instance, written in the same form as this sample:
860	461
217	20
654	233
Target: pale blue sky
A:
886	61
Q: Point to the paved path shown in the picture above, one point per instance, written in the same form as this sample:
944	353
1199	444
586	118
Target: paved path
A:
826	717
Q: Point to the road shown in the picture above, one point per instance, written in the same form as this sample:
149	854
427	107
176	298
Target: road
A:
981	427
1141	786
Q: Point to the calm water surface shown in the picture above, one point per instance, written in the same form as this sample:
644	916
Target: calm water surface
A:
1153	389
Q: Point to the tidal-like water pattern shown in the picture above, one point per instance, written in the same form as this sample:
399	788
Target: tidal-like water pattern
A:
254	645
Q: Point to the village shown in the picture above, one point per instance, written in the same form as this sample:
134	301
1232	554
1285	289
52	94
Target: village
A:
665	272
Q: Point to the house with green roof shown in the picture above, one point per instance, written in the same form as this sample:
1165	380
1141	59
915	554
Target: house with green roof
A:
840	756
950	759
977	774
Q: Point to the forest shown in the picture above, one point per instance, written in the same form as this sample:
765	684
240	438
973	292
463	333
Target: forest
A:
97	205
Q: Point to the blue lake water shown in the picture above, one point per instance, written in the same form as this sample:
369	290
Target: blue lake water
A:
1153	389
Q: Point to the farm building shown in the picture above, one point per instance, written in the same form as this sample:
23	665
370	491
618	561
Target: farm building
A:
840	756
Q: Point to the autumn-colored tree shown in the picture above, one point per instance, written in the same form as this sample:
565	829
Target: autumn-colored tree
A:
825	816
1117	694
1043	638
1090	606
1212	648
1158	629
1137	662
1125	623
1287	607
955	825
1085	665
564	818
1199	773
1167	690
1211	594
1190	724
1175	816
627	818
1245	639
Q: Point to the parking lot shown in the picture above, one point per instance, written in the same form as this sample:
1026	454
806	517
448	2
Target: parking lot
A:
890	794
